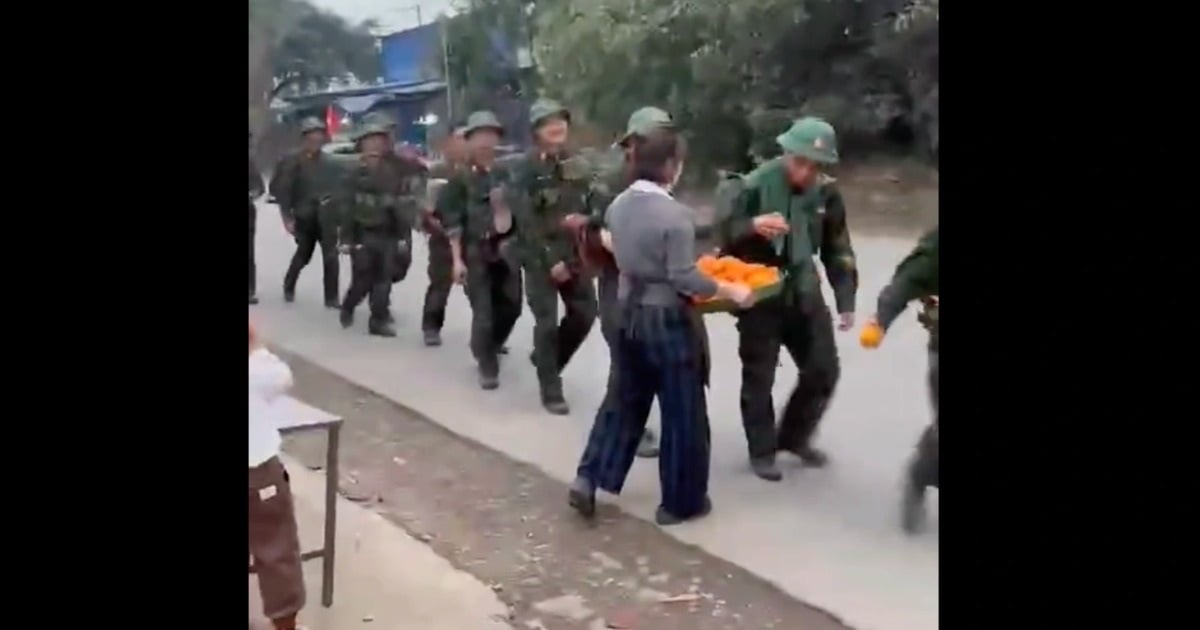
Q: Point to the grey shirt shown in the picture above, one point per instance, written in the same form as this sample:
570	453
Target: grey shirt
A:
654	241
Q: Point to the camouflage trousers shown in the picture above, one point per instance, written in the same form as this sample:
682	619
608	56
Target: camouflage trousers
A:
554	341
441	281
494	290
926	463
371	264
310	231
803	325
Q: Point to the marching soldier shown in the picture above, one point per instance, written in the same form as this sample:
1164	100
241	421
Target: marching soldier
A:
480	229
548	185
441	260
256	191
374	217
415	173
603	190
916	278
787	213
303	186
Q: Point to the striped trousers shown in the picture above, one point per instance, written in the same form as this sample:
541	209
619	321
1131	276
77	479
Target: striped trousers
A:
658	357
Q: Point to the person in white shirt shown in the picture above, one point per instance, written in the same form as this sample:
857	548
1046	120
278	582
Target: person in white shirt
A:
274	540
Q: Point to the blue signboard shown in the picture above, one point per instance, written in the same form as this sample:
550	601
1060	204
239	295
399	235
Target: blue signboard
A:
412	56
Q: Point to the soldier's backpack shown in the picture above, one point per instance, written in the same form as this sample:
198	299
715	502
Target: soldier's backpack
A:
729	188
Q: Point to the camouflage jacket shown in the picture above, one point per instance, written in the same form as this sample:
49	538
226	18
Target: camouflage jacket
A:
464	204
819	230
916	278
541	191
303	184
379	197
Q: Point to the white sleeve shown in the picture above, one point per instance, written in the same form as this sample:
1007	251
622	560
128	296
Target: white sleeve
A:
269	376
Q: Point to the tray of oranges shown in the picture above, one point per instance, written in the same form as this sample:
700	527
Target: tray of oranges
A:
764	280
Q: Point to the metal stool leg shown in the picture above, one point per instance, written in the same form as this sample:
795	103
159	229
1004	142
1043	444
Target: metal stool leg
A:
331	491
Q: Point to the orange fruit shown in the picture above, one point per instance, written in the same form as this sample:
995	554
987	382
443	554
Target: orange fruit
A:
871	335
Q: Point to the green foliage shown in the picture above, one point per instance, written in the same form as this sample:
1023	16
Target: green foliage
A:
307	47
747	68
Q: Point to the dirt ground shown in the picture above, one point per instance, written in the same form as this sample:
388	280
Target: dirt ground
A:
509	525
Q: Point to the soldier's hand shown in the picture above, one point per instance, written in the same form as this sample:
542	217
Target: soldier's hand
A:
459	272
770	225
871	335
574	221
845	321
560	272
343	248
290	226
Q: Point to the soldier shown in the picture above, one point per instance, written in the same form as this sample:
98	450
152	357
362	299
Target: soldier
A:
441	261
256	191
786	213
374	217
415	173
303	186
548	185
916	278
603	190
480	229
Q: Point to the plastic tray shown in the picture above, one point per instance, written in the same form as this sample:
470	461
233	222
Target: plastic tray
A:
726	306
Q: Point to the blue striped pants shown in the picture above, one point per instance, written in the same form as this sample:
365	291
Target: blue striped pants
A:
658	357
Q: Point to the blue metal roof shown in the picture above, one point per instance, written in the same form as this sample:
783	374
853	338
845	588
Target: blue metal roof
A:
384	89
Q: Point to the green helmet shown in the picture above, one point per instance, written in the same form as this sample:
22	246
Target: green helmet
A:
482	119
544	108
311	124
379	118
644	121
370	129
811	138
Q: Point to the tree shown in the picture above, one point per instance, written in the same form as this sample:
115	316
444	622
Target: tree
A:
295	45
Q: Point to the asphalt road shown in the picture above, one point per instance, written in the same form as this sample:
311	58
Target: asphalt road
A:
829	537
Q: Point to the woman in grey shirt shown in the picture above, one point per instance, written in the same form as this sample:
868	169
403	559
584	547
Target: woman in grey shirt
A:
660	348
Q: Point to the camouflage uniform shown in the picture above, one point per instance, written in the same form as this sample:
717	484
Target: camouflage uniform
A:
916	278
493	281
415	175
256	191
545	189
798	319
303	186
375	215
441	259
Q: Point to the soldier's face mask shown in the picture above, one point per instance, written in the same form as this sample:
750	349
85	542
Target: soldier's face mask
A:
553	133
802	172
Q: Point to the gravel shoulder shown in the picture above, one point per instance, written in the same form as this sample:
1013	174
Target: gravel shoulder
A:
508	524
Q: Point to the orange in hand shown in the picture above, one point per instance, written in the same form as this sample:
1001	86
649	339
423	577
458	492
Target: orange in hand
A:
871	335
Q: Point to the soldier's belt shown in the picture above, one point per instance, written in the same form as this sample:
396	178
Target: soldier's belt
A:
382	200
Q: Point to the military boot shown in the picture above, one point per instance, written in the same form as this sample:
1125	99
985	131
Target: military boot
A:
433	338
381	328
766	468
346	317
253	299
488	380
810	456
289	295
332	303
555	403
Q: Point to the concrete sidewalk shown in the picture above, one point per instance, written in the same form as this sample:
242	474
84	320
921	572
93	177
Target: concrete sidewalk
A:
384	578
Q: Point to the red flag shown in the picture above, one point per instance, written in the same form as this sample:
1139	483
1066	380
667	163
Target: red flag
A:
332	120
